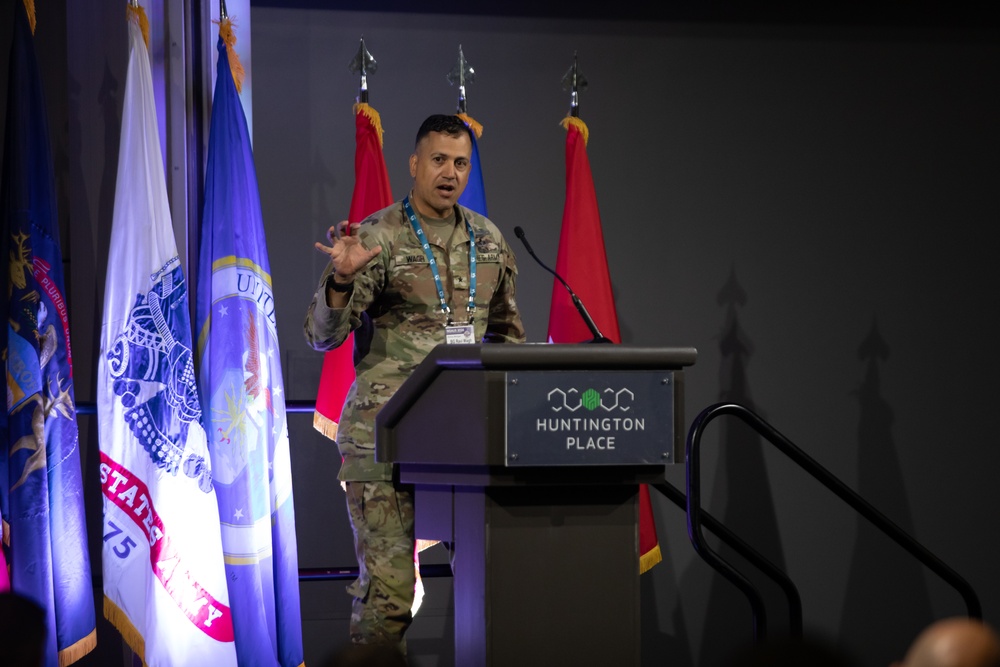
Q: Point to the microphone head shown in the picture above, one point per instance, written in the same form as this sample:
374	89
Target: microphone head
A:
519	233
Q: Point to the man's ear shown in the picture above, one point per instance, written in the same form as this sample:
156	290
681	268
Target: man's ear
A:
413	165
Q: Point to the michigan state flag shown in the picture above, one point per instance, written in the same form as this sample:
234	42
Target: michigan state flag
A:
164	578
243	406
41	486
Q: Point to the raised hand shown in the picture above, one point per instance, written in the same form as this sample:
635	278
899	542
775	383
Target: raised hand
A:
345	251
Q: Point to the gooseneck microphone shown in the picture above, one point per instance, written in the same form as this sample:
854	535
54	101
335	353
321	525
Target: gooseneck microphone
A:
588	320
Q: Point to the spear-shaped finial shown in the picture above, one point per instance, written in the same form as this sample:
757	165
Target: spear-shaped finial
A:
575	82
363	64
134	3
463	74
223	12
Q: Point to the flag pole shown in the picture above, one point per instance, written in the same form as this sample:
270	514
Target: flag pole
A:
461	74
575	82
223	12
363	64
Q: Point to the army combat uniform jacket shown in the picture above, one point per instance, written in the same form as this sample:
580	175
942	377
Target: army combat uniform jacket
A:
397	290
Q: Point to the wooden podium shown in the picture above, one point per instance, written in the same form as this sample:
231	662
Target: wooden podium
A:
529	459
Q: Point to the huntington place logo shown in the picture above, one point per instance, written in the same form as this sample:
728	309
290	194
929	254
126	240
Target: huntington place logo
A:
591	400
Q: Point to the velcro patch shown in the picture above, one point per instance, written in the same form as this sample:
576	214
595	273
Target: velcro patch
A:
411	259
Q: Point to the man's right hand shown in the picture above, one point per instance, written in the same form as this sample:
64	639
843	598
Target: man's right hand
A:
345	251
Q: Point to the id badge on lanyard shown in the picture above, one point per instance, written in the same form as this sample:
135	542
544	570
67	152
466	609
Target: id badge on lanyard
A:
459	334
454	334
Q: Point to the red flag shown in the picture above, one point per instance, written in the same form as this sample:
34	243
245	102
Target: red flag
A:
371	194
583	263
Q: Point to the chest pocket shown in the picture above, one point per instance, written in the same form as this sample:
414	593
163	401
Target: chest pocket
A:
488	269
410	280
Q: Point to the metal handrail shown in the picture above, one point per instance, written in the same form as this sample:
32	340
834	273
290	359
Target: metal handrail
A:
696	516
727	536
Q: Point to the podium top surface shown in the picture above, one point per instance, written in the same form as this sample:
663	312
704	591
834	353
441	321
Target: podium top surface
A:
559	356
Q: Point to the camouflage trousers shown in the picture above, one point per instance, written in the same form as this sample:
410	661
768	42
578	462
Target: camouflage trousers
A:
382	517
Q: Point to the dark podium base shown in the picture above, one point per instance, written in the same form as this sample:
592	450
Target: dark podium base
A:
544	575
546	531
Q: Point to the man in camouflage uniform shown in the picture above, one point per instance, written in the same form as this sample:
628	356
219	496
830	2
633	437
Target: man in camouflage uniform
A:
381	267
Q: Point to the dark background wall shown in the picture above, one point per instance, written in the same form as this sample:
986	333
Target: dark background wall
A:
808	198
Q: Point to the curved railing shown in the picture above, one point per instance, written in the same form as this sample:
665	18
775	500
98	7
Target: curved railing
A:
697	517
727	536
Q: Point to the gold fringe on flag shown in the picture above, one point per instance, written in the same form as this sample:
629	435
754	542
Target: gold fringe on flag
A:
121	621
29	7
73	653
369	111
137	13
582	128
228	36
476	127
325	425
649	559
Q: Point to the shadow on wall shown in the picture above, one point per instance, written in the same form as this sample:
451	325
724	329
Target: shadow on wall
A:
884	581
659	647
741	497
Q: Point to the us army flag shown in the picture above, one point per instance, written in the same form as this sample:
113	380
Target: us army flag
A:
41	485
164	577
583	263
239	376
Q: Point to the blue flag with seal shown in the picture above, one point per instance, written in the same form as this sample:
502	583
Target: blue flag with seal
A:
239	379
41	485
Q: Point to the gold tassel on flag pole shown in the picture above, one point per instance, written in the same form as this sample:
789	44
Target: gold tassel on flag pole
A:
578	124
29	7
134	11
472	124
228	35
372	115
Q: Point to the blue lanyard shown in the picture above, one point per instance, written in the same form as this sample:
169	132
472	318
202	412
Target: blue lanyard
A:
419	231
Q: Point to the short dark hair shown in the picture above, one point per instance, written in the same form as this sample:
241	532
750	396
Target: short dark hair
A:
446	124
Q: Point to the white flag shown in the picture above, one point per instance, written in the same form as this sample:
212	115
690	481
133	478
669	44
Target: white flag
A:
164	576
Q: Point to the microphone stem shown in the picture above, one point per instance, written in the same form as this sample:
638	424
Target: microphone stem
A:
587	319
598	336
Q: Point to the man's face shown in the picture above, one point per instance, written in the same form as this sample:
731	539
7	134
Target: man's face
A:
440	170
